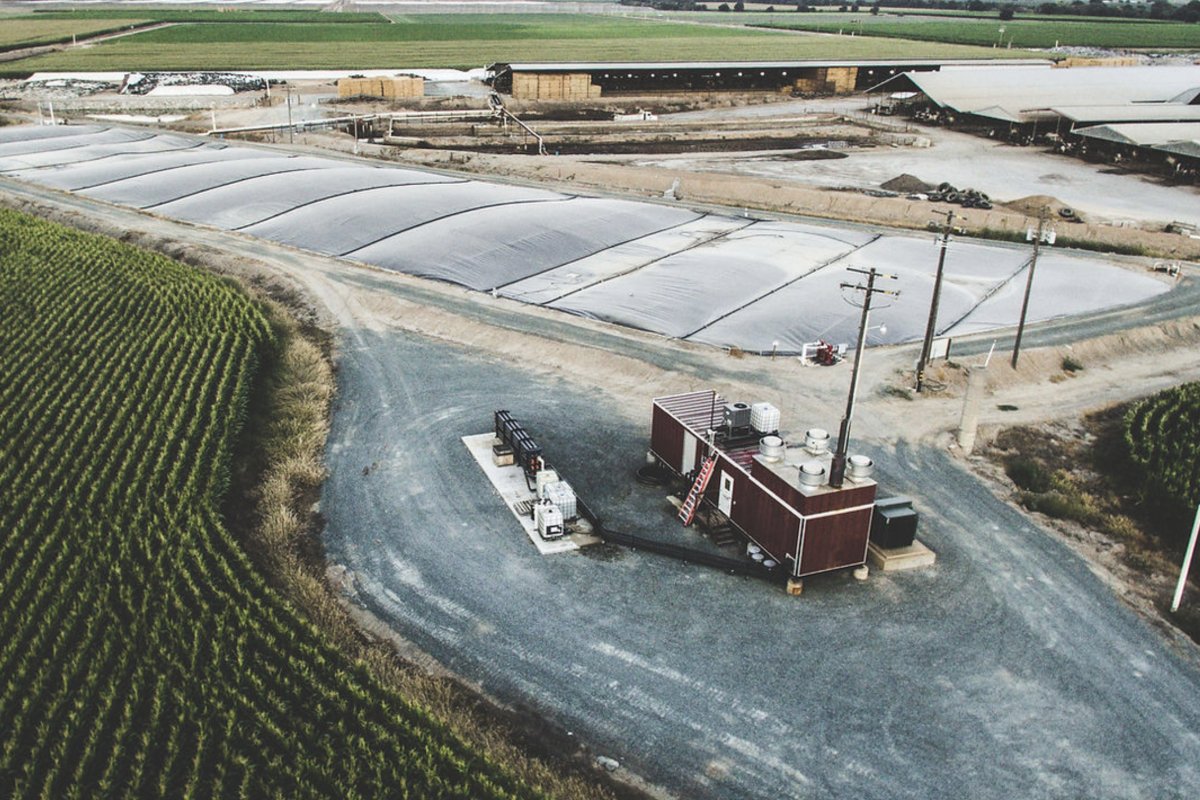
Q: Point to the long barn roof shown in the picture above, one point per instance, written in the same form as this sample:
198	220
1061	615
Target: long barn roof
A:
641	66
1143	135
1022	92
1129	112
1190	148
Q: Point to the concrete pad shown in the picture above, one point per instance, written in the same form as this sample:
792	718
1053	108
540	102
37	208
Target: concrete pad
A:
897	559
515	492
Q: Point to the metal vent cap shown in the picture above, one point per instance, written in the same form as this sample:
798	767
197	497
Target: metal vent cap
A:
816	440
859	467
812	473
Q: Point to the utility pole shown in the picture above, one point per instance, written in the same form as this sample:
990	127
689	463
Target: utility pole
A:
1037	243
291	130
931	326
1187	564
837	470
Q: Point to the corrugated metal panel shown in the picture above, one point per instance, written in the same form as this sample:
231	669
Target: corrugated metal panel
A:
1143	135
1191	149
1129	112
1027	89
699	411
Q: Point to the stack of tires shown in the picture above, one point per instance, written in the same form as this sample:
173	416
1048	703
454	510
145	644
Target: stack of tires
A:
967	198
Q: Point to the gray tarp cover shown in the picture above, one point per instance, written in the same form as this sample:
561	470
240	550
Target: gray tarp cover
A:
708	278
86	174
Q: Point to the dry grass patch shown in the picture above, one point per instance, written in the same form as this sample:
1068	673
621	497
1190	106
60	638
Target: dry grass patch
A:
289	430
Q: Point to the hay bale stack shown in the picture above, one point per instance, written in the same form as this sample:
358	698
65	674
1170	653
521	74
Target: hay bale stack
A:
386	88
553	86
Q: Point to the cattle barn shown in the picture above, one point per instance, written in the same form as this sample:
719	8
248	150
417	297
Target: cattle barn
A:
584	80
777	495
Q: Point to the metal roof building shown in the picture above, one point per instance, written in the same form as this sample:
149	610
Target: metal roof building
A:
617	66
582	80
1026	94
1187	149
1129	112
1144	134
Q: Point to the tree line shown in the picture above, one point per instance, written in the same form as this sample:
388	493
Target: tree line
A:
1158	10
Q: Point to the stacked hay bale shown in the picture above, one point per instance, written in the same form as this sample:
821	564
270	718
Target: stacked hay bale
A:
392	88
827	80
553	86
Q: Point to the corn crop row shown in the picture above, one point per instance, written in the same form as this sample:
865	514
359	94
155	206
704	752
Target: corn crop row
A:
141	652
1163	436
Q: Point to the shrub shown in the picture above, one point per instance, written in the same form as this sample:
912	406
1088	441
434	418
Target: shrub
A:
1027	474
1059	506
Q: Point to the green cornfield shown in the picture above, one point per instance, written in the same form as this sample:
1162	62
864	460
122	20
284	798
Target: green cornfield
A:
141	652
219	16
32	31
465	41
1162	433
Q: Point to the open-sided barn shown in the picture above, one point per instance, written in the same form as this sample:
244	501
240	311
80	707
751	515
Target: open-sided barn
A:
582	80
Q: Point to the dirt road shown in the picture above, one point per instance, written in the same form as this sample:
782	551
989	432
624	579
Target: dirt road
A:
1008	670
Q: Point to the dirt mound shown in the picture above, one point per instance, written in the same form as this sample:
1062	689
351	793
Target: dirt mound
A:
906	183
1034	203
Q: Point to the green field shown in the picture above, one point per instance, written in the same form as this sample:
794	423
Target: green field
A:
1018	32
213	15
141	652
464	41
28	31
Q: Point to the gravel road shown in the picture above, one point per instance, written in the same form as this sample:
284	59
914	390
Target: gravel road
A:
1008	670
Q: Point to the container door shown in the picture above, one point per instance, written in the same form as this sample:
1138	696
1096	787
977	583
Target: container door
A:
688	462
725	498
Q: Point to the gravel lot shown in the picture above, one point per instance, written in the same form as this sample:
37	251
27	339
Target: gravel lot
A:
1008	670
1003	171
